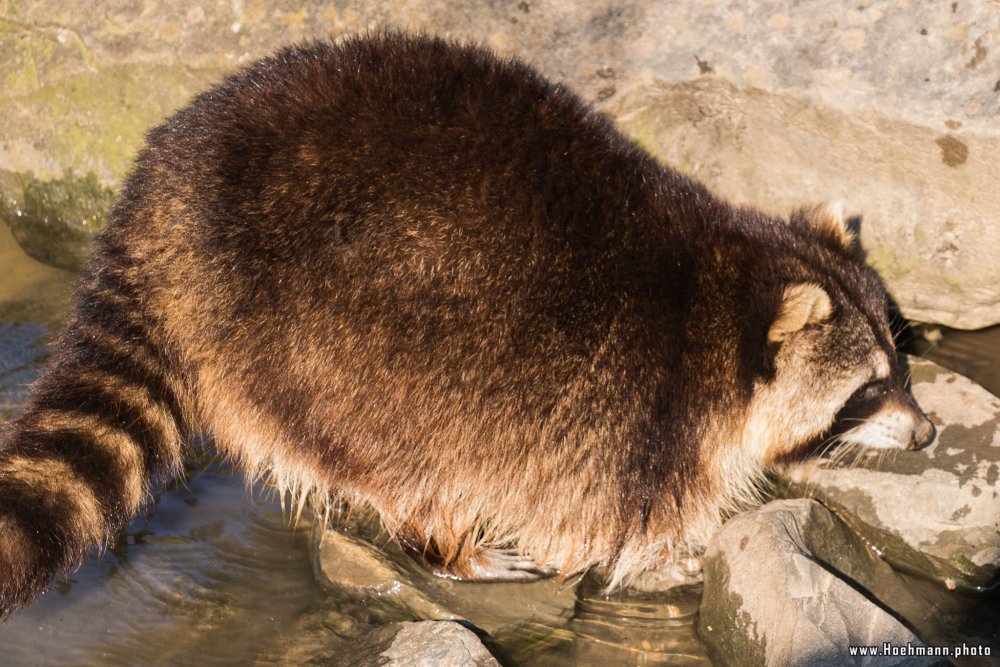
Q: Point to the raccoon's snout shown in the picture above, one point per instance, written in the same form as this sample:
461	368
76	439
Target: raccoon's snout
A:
883	416
923	434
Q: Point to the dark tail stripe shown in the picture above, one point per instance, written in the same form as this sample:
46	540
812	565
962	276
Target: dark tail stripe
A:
106	318
115	336
47	525
101	443
103	429
131	359
159	449
92	461
115	305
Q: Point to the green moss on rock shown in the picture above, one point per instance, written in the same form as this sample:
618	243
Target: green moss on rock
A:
93	121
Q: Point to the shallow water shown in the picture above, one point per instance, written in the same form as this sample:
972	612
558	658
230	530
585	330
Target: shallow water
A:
182	587
974	354
216	575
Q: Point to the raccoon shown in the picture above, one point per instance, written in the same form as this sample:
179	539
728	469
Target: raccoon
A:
405	274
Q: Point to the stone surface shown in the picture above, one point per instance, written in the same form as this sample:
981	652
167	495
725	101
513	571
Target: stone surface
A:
432	643
55	221
891	107
768	599
936	511
415	644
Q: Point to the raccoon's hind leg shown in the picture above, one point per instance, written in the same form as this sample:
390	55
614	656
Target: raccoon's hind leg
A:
482	565
99	434
499	565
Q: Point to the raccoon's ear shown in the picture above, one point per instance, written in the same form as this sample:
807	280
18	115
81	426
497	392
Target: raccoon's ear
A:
828	218
801	305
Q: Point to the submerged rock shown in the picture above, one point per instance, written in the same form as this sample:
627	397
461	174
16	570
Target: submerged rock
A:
768	600
341	560
935	512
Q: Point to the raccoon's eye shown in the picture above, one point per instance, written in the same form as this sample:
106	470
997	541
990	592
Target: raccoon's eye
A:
870	392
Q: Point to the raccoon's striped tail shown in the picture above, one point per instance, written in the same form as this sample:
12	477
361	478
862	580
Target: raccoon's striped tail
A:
100	433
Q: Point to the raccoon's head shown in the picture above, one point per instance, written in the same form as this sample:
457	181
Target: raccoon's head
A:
834	368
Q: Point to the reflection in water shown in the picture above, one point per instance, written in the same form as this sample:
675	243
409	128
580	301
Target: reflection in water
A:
22	352
623	629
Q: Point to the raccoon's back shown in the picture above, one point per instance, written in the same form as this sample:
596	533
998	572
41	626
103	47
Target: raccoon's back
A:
389	148
400	226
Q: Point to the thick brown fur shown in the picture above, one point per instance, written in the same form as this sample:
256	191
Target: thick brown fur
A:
407	274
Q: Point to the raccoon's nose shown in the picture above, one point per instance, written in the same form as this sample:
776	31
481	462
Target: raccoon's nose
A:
922	434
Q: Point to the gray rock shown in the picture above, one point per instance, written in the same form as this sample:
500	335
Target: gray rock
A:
416	644
768	599
937	511
891	107
434	643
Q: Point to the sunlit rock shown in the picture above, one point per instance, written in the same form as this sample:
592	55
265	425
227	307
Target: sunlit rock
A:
768	599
